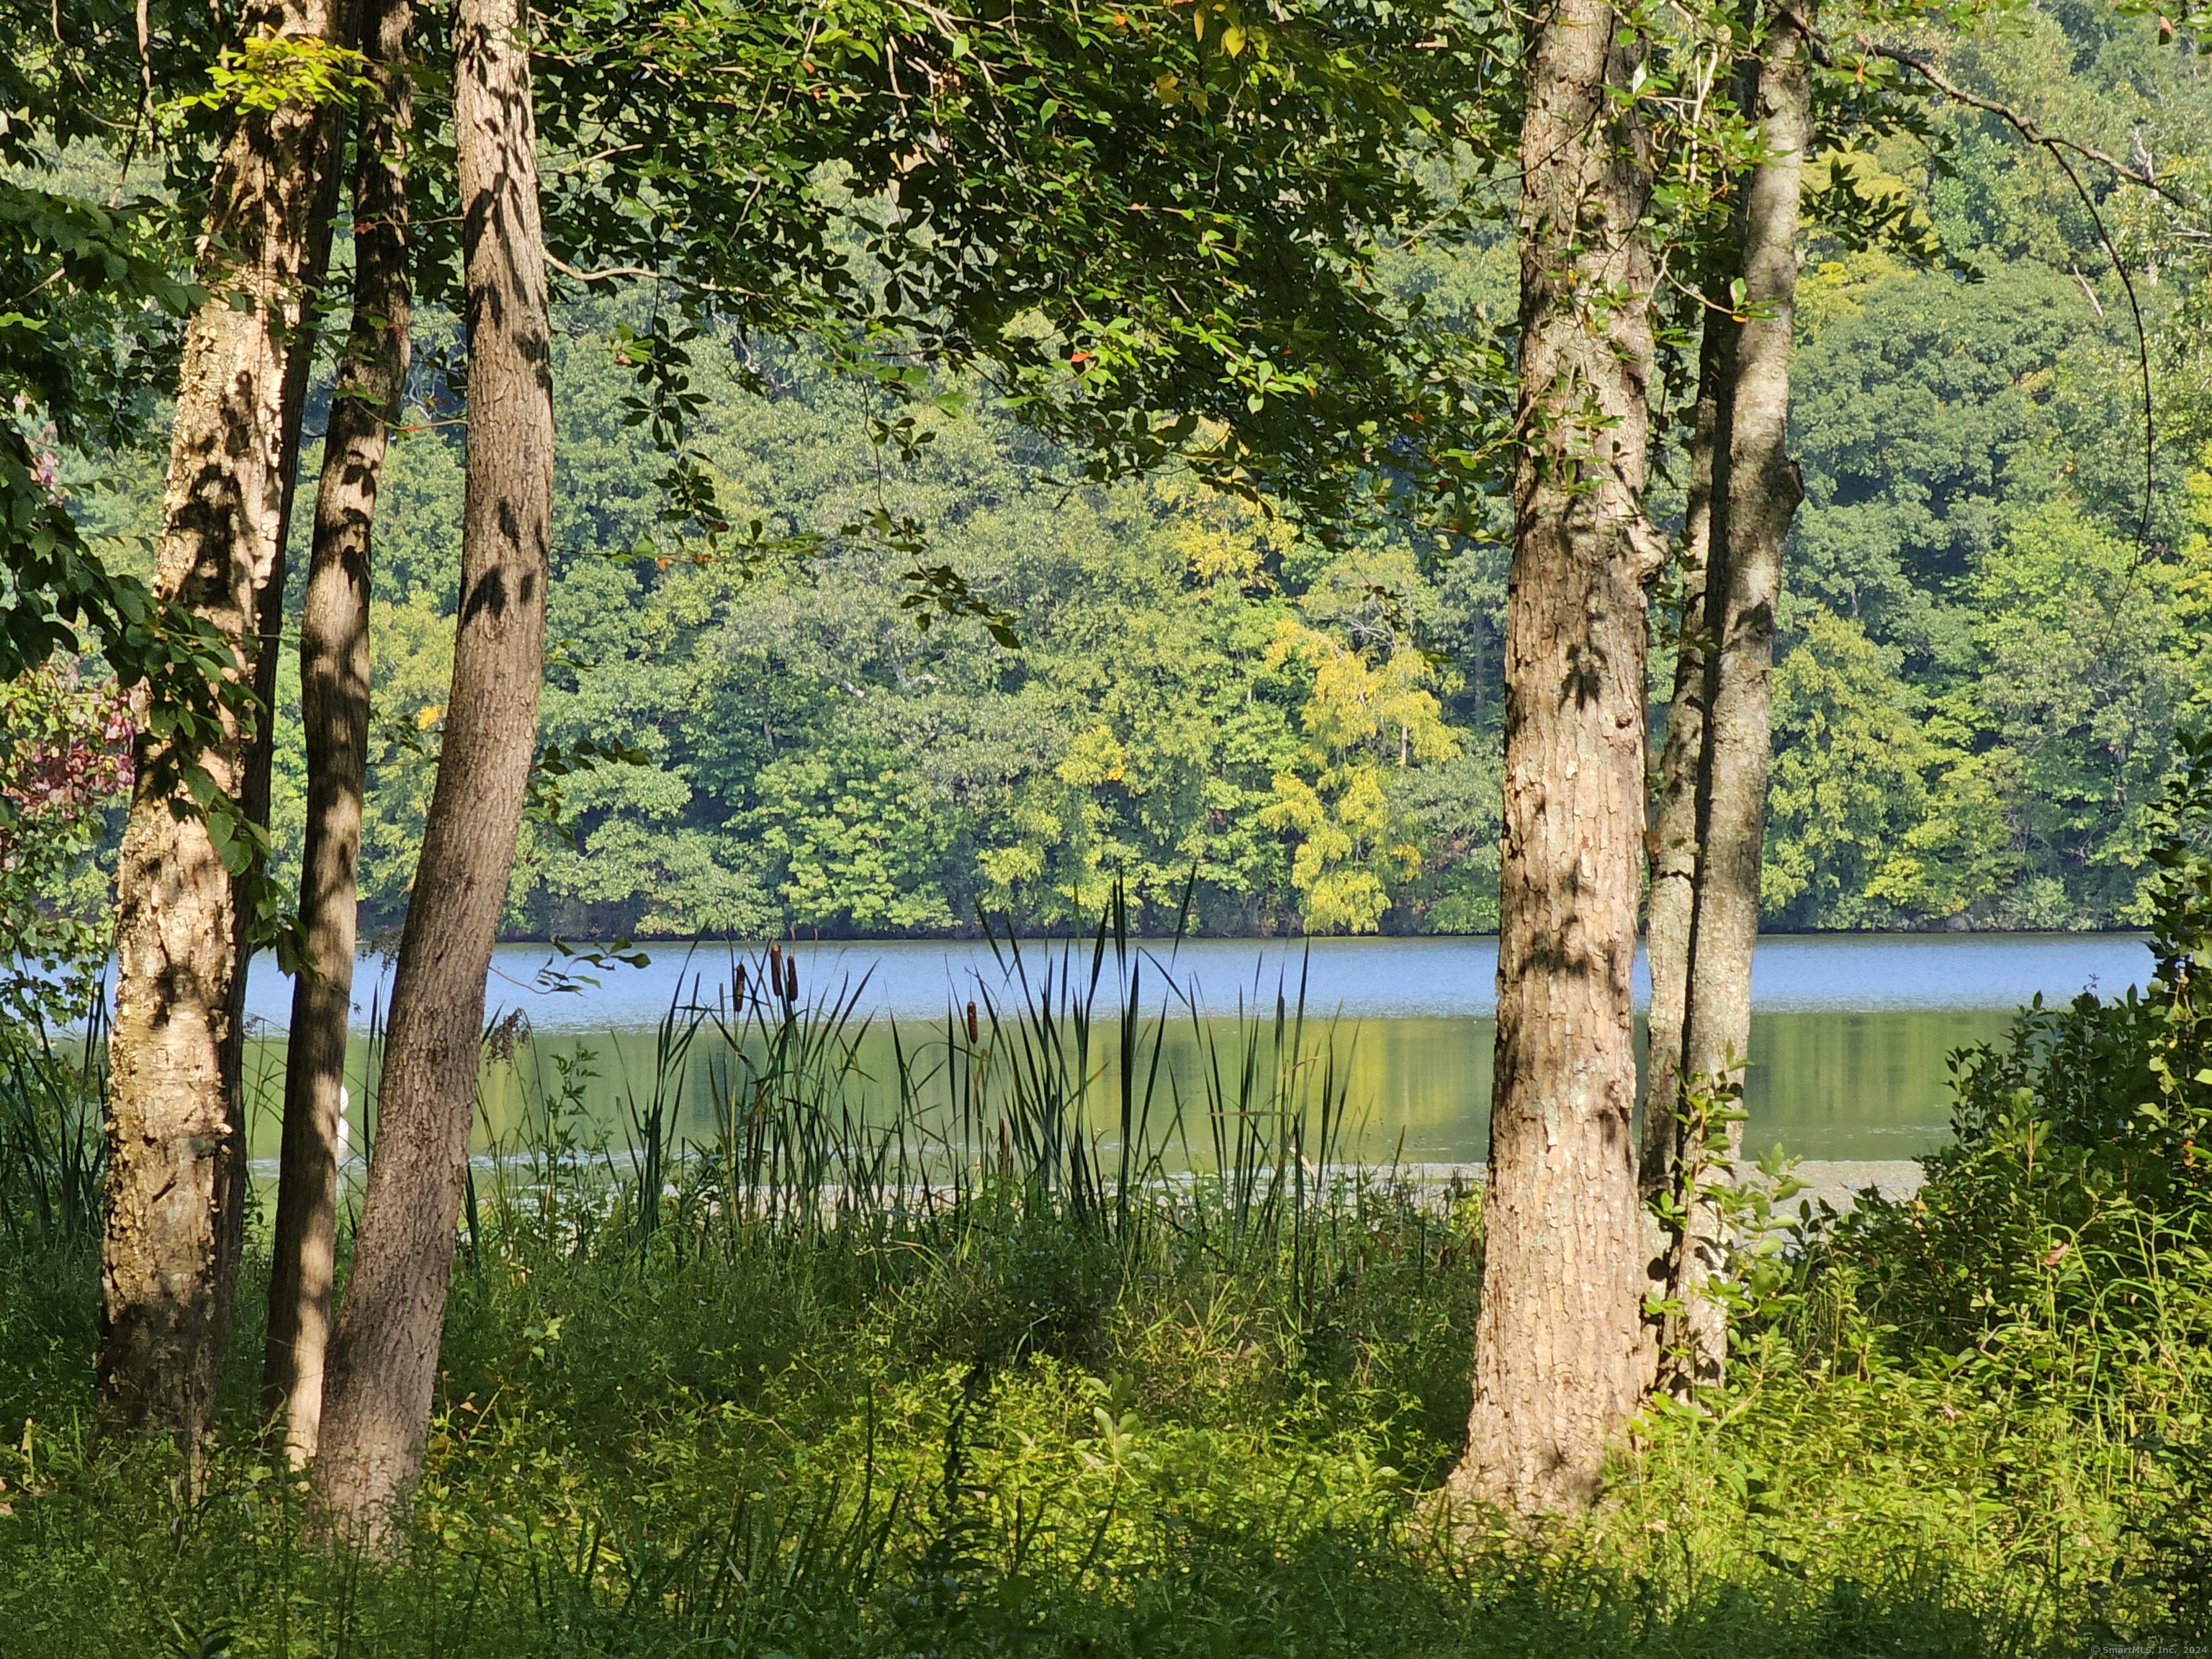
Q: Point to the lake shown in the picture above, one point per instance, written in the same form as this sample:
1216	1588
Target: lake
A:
1849	1033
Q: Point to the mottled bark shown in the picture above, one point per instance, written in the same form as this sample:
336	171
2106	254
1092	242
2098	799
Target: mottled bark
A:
1559	1355
257	774
175	1140
334	668
384	1356
1761	496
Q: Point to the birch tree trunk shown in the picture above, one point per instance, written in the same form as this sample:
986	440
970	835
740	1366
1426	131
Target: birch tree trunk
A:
174	1135
384	1356
1559	1354
334	669
1762	494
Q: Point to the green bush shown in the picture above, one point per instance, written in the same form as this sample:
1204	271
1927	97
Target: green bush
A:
2058	1260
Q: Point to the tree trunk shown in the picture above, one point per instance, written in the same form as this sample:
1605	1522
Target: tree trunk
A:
1560	1351
1673	849
334	670
1762	494
259	771
174	1133
384	1357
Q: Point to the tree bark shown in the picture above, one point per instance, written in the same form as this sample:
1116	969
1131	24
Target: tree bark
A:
384	1357
1559	1355
174	1130
1762	494
259	771
1672	847
334	671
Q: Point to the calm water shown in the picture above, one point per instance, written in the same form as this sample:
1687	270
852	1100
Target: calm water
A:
1849	1034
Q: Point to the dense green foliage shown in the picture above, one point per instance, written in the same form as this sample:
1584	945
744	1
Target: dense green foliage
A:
940	1361
1981	668
1159	238
1006	1442
2058	1261
1982	663
1191	678
1982	658
90	317
1989	639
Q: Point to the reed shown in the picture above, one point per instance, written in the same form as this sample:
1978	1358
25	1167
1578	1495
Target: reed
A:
53	1157
1045	1095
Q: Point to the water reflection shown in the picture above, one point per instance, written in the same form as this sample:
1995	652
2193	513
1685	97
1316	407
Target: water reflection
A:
1849	1044
1824	1084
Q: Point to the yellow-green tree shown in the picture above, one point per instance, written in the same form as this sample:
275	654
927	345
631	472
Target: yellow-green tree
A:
1367	711
1063	810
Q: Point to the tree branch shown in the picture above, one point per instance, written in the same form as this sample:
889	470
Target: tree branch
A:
2024	124
610	275
2056	148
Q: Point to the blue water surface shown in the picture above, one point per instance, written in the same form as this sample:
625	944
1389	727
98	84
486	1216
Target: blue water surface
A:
1362	978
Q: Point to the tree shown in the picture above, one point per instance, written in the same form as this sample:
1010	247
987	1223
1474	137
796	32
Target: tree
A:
1672	847
256	911
2078	638
174	1134
1559	1361
1364	719
1873	809
384	1357
1752	497
1748	491
334	694
95	272
1920	400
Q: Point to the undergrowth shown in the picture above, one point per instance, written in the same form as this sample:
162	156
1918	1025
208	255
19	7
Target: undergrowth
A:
994	1379
992	1435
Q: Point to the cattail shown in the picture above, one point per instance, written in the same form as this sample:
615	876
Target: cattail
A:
974	1034
738	986
791	979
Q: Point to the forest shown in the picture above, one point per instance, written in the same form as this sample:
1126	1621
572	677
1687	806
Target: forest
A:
1625	478
1981	666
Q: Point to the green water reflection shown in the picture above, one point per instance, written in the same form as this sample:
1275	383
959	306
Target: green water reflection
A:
1824	1084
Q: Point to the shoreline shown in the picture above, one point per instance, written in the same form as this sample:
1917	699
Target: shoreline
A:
1835	1181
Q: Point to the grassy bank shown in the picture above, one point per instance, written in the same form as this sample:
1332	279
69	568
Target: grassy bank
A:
997	1431
967	1379
997	1434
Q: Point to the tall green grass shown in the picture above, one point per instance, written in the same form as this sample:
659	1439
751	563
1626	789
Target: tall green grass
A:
1047	1091
52	1159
